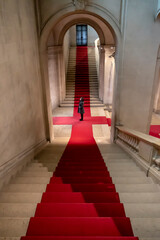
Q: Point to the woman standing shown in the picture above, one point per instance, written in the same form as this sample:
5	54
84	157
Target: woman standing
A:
80	108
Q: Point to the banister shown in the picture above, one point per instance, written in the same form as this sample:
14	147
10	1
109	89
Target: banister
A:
141	136
143	148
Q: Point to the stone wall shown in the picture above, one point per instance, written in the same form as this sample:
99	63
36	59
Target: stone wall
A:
21	109
66	47
141	43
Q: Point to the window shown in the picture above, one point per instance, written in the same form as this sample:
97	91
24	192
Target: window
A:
81	35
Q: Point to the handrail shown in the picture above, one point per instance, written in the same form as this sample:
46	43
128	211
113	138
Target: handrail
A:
141	136
143	148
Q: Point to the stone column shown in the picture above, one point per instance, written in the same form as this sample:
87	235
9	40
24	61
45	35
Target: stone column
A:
62	75
101	70
46	95
109	71
156	108
56	69
53	76
106	76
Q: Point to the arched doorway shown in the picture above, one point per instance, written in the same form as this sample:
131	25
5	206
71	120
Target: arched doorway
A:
53	36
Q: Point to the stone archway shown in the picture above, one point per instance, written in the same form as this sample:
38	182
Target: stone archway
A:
59	25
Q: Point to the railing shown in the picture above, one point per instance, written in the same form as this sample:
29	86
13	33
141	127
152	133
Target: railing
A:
144	148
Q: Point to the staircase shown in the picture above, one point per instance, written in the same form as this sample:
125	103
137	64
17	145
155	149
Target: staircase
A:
81	200
93	80
141	197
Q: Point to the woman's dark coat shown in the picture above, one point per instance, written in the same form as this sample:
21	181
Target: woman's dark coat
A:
80	107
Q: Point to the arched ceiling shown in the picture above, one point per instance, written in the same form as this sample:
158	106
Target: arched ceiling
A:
104	30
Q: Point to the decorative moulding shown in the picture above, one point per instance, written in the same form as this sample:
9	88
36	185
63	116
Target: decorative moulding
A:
79	4
158	10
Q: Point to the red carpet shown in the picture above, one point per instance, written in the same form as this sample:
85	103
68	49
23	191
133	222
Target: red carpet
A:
80	202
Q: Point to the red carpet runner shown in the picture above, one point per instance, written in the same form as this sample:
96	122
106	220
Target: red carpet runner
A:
80	202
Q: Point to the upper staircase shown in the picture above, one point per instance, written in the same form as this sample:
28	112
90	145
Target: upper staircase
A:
93	80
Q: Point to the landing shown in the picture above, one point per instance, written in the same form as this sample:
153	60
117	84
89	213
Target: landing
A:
101	132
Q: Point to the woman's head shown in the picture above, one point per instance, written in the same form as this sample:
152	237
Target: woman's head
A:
81	99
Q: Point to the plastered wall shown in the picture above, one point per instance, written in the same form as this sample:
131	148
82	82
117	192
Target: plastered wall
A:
21	109
141	43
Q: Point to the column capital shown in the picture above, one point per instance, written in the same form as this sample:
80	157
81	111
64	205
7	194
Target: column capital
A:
54	50
107	49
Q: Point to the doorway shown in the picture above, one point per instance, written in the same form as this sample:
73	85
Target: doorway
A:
81	35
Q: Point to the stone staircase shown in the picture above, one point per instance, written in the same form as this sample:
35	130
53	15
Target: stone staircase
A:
93	80
141	197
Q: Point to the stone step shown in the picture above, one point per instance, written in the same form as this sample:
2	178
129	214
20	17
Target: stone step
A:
142	210
17	226
146	227
35	174
153	197
116	155
91	99
136	188
114	173
31	180
24	188
117	160
72	102
10	238
72	105
38	188
45	180
71	85
131	180
84	92
95	95
17	209
122	167
12	197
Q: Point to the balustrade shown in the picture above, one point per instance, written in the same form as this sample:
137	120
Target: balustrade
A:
143	148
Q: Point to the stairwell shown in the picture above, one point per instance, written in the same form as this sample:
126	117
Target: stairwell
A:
93	80
141	197
138	193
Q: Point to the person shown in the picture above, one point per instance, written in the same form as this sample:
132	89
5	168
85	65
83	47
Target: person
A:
81	108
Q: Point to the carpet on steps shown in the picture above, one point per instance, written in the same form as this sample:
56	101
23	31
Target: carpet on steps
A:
77	238
80	201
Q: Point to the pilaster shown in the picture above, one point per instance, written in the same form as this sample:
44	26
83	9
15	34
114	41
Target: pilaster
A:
55	54
106	59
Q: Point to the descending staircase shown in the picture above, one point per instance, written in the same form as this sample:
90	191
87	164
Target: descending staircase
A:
93	81
141	197
85	197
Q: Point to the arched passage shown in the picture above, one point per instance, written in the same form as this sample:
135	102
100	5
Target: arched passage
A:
54	32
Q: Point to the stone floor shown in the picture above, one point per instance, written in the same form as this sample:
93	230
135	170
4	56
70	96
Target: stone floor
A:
155	119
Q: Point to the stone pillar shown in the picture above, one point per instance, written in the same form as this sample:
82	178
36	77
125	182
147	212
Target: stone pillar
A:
156	108
101	70
109	71
46	96
106	73
56	69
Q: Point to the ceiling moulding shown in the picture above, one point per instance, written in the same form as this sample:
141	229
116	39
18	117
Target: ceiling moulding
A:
79	4
158	11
